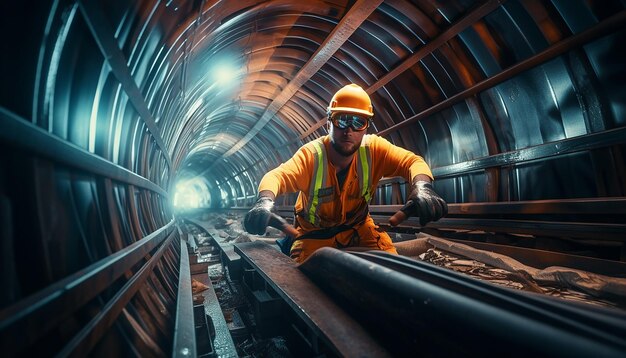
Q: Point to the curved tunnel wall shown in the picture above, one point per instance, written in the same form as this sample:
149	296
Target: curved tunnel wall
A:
136	84
106	106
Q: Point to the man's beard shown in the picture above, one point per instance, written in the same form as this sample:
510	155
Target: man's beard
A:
344	152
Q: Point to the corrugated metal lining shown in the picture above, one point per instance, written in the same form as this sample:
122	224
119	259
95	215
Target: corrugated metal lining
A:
466	43
517	105
155	61
506	100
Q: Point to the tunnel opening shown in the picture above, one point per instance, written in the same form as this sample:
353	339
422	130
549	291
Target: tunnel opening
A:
191	195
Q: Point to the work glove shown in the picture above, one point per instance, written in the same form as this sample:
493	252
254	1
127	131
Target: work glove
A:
425	203
257	219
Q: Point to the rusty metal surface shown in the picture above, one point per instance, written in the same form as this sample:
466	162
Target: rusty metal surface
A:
323	316
357	14
421	308
38	313
84	341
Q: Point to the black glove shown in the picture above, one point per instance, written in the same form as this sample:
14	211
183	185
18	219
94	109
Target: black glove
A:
257	219
425	203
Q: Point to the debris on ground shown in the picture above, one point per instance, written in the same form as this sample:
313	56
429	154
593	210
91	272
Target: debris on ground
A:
518	280
197	286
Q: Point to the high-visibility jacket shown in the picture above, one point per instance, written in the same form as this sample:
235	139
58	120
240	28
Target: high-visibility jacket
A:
321	203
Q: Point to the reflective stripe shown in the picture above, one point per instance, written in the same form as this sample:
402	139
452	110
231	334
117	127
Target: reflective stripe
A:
318	179
364	173
364	163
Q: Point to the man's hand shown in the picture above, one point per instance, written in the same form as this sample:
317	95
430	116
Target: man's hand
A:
423	202
257	219
430	206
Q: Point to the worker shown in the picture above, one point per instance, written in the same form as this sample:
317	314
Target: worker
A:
336	176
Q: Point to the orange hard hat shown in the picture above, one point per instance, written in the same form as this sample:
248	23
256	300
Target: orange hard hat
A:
353	99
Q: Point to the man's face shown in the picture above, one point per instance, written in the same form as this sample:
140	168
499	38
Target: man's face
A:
345	141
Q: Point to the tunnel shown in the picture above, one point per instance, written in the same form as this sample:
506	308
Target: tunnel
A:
134	136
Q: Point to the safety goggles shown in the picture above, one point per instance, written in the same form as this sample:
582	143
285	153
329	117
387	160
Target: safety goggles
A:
358	122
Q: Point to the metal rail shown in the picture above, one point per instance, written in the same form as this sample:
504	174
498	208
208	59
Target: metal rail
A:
587	206
104	35
27	320
569	145
184	331
87	338
511	217
20	133
468	216
577	230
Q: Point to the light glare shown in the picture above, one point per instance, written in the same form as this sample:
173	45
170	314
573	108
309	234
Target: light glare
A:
225	73
191	194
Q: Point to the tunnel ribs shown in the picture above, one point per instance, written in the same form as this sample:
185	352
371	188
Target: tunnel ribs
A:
594	225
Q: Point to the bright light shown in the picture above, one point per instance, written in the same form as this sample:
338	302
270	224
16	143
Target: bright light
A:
187	199
191	194
224	73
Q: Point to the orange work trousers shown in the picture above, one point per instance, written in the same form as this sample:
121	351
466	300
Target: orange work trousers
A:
366	235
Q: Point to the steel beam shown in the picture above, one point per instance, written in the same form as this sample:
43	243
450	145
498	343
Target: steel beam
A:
358	13
20	133
591	141
103	34
184	328
575	230
325	319
468	20
586	206
25	321
604	28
